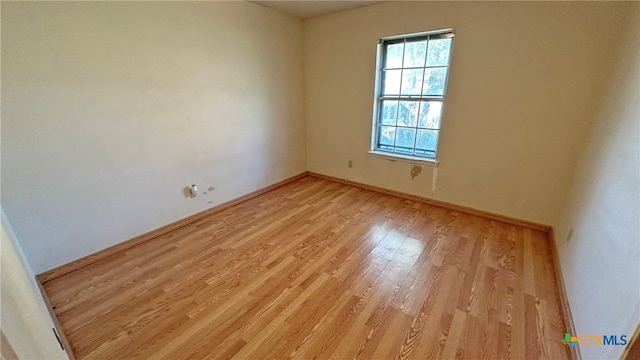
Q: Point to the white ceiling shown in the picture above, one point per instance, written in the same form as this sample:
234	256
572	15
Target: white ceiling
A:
309	8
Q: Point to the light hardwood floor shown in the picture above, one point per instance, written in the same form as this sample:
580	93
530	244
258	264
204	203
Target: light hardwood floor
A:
320	269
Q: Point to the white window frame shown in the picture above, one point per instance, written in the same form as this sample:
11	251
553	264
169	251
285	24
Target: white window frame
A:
411	158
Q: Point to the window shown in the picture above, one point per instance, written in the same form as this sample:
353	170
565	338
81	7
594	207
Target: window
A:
411	83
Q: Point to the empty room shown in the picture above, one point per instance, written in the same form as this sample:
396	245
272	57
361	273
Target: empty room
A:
320	180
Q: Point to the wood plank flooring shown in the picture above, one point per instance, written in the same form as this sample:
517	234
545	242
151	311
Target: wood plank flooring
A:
318	269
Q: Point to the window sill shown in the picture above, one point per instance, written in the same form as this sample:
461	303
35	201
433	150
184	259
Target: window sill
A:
404	158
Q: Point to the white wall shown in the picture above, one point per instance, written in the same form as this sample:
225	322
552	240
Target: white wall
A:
110	109
24	317
525	79
601	260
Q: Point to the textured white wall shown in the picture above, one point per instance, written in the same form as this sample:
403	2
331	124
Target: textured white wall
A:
110	109
525	79
601	261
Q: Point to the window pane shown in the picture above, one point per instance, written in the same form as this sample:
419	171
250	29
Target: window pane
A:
434	80
426	141
408	113
414	53
389	110
412	89
393	56
439	51
411	82
430	114
405	138
386	135
391	82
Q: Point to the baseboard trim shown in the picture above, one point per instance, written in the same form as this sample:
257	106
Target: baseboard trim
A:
90	259
565	309
562	293
6	351
632	351
441	204
87	260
